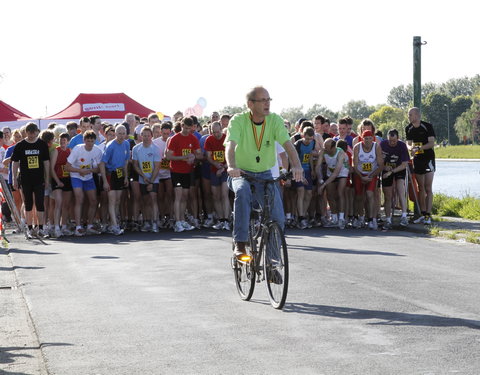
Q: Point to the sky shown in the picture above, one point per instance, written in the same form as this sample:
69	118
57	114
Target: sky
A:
168	54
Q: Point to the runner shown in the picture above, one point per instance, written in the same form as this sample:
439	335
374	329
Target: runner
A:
78	138
182	151
31	157
420	142
214	146
395	155
114	170
146	161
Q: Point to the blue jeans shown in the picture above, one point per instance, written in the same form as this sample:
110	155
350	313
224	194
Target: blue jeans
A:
243	203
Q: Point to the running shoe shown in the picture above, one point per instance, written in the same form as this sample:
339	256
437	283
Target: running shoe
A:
178	227
218	226
404	221
79	232
57	233
427	221
154	228
420	220
196	223
187	226
92	231
387	225
208	223
29	234
146	227
226	226
117	231
303	224
67	232
341	223
372	225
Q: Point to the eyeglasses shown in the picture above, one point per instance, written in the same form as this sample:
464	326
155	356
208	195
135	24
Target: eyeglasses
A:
264	100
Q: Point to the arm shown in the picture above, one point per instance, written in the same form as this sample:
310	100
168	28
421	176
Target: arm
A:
296	169
336	172
378	152
53	158
232	170
46	165
15	167
156	169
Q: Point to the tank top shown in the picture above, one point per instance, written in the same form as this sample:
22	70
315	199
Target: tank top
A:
332	161
367	161
59	168
304	153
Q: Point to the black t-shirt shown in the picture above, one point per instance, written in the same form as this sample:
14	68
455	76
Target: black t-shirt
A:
31	157
325	136
419	137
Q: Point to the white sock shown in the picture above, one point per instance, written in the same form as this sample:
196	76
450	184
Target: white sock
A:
404	214
341	216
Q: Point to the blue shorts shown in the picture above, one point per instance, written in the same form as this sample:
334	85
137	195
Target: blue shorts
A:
84	185
218	180
206	170
308	185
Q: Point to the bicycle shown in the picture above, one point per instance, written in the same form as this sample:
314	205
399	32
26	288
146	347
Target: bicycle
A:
269	257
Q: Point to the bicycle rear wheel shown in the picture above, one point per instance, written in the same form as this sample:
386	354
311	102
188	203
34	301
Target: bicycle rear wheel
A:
276	265
244	274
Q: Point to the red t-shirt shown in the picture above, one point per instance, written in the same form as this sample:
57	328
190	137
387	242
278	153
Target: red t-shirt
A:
182	145
216	147
59	167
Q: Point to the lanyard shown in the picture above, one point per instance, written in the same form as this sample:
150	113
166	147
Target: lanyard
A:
258	141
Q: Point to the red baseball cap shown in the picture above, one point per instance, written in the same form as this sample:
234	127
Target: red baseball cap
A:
367	133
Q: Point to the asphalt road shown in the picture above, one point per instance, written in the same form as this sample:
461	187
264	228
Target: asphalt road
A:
359	302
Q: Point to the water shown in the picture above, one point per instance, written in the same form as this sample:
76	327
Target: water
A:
457	178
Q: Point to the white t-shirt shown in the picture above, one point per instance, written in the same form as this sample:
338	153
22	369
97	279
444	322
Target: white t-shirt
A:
81	158
276	168
164	172
3	151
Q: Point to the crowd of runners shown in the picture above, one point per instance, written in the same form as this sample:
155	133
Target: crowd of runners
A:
144	174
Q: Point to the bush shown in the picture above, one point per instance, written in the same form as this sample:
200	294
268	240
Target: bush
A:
467	207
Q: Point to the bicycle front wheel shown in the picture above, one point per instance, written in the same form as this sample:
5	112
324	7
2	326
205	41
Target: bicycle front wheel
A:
244	274
276	265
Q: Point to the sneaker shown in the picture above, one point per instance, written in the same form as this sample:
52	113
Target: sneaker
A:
208	223
218	226
66	232
57	233
135	227
324	221
178	227
372	225
226	226
92	230
356	223
420	220
28	234
303	224
117	231
274	276
146	227
43	233
187	226
341	223
196	224
79	232
154	228
404	221
387	225
427	221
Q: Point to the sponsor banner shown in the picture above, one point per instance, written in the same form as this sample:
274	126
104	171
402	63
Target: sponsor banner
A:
98	107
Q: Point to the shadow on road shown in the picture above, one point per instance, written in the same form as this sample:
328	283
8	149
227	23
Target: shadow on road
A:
386	317
20	267
20	251
342	251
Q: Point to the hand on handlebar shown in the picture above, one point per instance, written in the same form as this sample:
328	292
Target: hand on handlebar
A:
234	172
297	174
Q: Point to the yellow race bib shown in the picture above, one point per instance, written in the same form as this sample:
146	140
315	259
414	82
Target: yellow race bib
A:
165	164
119	172
147	167
32	162
306	158
218	156
186	151
65	173
367	167
418	144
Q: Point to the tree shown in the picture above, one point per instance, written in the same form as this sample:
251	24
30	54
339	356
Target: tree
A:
232	110
318	109
460	104
357	109
467	125
402	96
461	86
387	117
292	114
434	110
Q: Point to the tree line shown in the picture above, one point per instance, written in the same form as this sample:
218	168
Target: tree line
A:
452	105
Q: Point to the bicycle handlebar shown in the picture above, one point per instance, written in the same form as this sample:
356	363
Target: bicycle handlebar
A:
283	176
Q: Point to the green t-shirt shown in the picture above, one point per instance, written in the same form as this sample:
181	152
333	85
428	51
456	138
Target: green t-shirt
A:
247	156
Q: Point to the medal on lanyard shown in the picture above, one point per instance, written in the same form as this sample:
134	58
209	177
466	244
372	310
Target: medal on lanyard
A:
258	141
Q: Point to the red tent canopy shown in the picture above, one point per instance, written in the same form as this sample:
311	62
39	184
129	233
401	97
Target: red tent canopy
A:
107	106
8	113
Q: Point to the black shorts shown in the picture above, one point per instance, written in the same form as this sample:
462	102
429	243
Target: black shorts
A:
115	182
423	165
31	190
181	180
387	182
144	191
67	184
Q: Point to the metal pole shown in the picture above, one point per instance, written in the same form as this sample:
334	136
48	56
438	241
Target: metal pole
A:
417	71
448	123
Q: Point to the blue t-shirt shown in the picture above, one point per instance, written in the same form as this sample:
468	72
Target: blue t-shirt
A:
115	155
304	153
146	157
348	139
7	155
78	140
198	135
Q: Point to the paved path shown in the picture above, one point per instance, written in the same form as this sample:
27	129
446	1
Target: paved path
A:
369	303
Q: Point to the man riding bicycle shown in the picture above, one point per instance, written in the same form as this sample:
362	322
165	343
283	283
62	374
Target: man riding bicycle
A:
250	148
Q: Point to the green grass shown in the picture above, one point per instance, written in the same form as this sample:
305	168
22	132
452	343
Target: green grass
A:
467	235
458	152
466	207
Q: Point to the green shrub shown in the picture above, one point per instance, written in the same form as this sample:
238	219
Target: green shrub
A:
466	207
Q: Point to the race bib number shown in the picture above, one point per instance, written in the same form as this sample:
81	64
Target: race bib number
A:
367	167
331	169
146	167
85	166
306	158
391	165
186	151
218	156
165	164
32	162
65	173
418	144
119	172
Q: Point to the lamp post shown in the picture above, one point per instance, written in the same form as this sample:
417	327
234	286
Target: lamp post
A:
448	123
